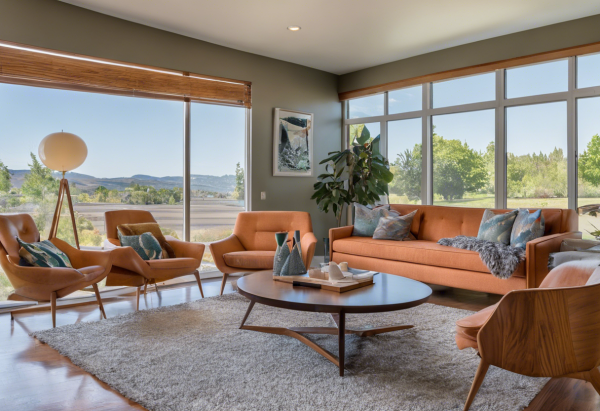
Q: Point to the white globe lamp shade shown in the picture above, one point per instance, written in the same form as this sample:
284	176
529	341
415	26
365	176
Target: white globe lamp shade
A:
62	151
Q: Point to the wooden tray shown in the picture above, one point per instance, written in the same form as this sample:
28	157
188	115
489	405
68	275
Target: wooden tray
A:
324	284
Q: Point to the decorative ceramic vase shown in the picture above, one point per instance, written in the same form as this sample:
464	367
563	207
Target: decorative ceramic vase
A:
294	264
281	254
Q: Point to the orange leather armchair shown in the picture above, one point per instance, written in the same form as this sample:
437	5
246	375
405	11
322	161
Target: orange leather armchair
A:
129	269
47	284
552	331
252	245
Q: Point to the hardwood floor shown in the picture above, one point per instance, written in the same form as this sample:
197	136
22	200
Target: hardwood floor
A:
33	376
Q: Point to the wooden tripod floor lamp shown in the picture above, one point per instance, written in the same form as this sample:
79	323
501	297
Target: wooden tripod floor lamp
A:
63	152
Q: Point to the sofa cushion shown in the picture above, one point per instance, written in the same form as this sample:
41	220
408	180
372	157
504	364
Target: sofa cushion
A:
394	227
366	219
417	252
252	260
528	226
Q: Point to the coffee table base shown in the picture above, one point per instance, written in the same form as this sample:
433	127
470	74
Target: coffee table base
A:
340	331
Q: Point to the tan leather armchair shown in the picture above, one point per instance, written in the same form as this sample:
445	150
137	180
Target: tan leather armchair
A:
252	245
43	284
552	331
129	269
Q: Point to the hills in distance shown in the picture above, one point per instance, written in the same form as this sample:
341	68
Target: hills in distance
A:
88	184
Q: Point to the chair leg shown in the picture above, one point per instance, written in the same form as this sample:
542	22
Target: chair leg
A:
479	376
53	308
137	297
223	282
145	285
197	275
99	299
594	378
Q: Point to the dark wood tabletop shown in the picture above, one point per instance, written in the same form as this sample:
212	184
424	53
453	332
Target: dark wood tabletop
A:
388	293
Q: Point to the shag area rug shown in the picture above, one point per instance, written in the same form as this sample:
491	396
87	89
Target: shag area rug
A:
193	356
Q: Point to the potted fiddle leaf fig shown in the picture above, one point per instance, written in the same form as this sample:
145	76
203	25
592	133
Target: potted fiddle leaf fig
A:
358	174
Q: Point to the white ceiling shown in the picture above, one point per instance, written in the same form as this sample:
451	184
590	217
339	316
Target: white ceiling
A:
341	36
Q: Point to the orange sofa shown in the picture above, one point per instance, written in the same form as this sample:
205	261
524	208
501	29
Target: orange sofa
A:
425	260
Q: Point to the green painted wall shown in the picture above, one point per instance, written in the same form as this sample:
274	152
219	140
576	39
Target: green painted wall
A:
548	38
275	83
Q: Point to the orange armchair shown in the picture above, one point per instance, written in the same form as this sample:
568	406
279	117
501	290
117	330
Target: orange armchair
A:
44	284
252	245
552	331
129	269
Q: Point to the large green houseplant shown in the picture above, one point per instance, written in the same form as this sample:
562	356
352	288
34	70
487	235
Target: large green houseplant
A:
358	174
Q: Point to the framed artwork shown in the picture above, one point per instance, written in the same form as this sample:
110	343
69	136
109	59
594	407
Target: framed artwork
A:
293	143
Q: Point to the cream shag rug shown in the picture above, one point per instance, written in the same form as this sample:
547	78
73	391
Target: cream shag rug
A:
193	356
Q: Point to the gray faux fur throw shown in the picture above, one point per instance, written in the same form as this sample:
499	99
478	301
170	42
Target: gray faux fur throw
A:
501	259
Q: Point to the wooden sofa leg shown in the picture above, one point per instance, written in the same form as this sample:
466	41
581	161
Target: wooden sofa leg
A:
99	299
53	308
223	282
479	377
197	275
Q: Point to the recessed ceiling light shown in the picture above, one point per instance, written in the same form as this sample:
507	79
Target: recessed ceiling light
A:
294	28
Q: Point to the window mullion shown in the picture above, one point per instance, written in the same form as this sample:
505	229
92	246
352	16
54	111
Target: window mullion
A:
426	148
572	136
186	168
500	142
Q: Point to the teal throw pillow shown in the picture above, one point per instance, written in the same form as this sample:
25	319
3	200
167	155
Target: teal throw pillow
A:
528	226
146	245
497	227
43	254
394	227
366	220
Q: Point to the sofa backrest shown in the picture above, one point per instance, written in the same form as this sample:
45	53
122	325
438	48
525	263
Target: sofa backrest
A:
434	222
256	229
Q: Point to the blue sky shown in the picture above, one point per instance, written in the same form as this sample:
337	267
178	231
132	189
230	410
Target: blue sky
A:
533	128
125	135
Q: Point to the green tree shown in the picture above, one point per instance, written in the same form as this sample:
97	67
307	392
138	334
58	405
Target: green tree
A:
39	182
101	193
457	168
239	191
407	174
5	183
589	162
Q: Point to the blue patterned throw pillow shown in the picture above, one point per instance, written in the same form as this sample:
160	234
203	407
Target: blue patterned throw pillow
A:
43	254
394	227
527	227
497	227
146	245
366	220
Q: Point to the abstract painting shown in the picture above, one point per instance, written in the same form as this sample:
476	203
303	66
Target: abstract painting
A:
293	143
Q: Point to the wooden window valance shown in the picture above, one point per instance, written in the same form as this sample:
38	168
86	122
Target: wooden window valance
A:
20	64
472	70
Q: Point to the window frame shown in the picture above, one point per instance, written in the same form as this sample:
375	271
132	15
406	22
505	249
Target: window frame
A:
500	105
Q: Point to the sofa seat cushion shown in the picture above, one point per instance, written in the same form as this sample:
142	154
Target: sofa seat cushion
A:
252	260
416	252
468	327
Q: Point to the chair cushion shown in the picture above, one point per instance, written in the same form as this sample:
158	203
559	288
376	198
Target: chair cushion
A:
571	274
468	327
253	260
416	252
174	263
43	254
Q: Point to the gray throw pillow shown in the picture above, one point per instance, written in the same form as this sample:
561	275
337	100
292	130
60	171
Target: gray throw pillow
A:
527	227
394	227
366	220
497	227
146	245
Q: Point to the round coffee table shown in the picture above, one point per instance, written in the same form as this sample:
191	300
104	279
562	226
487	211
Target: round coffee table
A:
387	293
